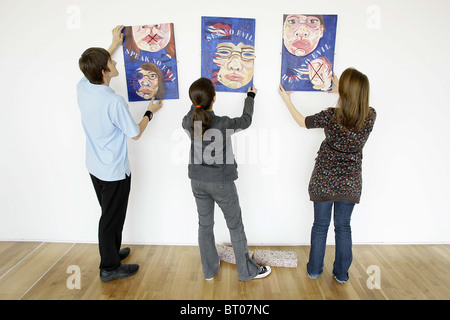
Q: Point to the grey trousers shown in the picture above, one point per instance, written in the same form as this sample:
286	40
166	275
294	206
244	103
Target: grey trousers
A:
225	195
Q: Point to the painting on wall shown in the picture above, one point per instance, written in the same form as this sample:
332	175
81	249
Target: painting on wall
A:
228	52
150	62
307	56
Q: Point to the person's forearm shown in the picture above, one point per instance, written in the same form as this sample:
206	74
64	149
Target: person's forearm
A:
142	126
152	108
298	117
113	47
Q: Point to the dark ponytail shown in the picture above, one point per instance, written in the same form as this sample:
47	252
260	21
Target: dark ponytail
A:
201	93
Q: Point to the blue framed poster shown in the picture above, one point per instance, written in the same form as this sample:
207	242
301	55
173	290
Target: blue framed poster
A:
307	56
228	52
150	62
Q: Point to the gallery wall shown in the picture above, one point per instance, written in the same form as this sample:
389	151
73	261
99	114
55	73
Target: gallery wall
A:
46	193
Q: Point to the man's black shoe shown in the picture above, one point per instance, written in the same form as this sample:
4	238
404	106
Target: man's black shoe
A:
122	272
123	253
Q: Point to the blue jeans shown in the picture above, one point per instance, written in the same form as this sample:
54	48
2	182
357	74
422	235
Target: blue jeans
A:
343	238
225	195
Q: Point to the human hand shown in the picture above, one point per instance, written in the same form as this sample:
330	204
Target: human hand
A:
117	35
286	95
335	86
154	107
252	89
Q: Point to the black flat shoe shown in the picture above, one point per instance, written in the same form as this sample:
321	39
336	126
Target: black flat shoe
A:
123	253
122	272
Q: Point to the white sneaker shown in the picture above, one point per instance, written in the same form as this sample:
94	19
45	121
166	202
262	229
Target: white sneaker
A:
265	271
340	281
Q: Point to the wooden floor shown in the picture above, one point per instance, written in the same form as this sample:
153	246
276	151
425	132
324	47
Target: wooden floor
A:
41	271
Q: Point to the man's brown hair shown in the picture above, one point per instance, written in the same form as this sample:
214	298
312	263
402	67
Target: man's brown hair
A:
92	62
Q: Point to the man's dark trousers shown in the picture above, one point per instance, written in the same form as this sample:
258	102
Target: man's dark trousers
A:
113	199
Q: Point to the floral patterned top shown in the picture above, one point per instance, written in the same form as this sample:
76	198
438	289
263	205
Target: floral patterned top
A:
337	171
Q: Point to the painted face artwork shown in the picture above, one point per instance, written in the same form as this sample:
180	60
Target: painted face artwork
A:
228	52
307	55
302	34
236	64
148	83
150	62
152	37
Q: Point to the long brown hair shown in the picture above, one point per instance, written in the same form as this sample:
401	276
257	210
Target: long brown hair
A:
353	105
202	93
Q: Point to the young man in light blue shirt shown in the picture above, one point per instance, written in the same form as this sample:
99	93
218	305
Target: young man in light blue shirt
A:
107	123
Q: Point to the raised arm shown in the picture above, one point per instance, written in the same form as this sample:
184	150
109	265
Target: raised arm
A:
298	117
153	108
244	121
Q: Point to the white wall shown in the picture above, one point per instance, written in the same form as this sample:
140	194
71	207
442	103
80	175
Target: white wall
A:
46	193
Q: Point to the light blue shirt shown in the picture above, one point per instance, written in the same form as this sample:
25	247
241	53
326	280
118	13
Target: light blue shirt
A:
107	123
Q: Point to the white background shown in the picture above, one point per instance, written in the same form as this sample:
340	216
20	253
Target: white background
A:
46	193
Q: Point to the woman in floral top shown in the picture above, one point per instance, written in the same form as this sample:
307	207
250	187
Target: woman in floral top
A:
336	178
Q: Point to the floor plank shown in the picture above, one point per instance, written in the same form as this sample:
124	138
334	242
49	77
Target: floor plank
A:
12	252
31	269
39	271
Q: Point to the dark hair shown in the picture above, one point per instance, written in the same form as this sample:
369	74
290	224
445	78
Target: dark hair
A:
202	93
353	104
92	62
